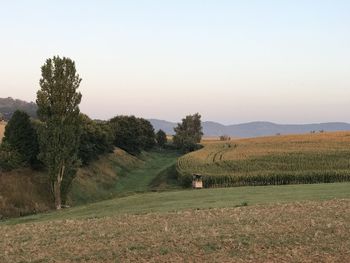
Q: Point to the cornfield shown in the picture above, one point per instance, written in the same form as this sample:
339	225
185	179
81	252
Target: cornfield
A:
292	159
2	129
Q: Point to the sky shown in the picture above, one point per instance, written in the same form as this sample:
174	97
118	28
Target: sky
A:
231	61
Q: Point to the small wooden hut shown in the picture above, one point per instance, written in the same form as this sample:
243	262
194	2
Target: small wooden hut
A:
197	181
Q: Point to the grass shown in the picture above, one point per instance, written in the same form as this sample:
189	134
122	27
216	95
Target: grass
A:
121	174
292	159
176	200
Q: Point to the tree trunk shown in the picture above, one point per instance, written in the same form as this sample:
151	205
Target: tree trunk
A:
57	187
57	191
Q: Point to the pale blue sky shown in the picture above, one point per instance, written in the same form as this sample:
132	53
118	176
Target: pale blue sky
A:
232	61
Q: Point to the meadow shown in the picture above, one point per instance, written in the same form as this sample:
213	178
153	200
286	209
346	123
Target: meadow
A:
299	223
289	159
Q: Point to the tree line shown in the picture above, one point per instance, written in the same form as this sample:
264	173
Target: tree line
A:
62	138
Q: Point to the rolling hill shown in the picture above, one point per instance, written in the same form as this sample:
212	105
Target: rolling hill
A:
254	129
210	128
9	105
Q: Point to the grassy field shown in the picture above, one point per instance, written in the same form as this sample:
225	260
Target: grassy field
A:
293	223
195	199
309	158
2	129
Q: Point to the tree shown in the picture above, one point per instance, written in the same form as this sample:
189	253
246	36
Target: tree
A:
161	138
126	132
132	134
188	133
22	137
96	138
147	136
58	108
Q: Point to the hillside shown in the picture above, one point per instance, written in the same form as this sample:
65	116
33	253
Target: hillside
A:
26	191
255	129
247	224
289	159
9	105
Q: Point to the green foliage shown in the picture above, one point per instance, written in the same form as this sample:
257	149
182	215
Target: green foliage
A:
132	134
188	133
147	135
96	139
9	158
58	108
21	135
161	138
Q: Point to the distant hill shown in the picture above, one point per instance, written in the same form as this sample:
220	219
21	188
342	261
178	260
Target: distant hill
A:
9	105
252	129
255	129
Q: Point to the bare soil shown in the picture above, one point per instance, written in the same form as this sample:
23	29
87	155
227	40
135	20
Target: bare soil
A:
296	232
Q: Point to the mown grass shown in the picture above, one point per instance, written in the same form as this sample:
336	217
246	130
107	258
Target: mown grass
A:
293	159
195	199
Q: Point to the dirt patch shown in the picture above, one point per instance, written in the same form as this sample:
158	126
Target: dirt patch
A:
2	129
296	232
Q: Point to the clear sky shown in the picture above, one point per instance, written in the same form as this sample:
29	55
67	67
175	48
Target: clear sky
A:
232	61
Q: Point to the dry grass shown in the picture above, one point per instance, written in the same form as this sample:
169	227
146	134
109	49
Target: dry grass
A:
321	154
2	129
23	192
295	232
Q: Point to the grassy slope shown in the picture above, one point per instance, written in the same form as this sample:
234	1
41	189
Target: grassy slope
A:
25	191
193	199
121	174
304	158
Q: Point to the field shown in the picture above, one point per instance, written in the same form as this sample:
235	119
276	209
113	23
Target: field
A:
293	223
2	129
293	159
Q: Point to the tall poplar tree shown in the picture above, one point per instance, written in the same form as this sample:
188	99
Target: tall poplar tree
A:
58	108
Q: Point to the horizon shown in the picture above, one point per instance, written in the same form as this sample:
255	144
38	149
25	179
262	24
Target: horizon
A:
233	62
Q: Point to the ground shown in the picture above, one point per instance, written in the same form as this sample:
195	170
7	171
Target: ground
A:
306	231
